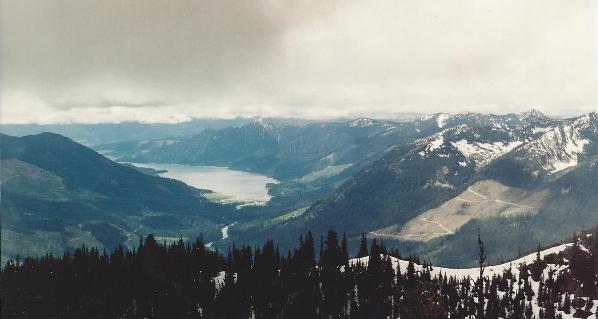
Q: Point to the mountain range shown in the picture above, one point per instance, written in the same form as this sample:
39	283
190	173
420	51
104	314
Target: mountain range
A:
103	133
426	186
529	182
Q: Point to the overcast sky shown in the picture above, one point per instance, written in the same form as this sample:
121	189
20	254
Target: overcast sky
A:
167	61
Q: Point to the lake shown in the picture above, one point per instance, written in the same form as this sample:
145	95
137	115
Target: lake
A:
229	185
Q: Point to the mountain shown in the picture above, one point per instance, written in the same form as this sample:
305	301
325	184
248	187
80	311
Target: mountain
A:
521	174
310	160
425	186
58	194
281	151
104	133
313	150
558	148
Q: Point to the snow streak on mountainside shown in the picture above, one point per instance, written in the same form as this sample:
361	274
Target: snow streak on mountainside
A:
441	120
560	148
482	138
552	144
484	153
479	146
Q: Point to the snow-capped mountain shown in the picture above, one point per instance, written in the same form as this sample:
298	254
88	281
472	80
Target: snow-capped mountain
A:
478	146
533	139
530	122
505	121
562	146
483	167
363	122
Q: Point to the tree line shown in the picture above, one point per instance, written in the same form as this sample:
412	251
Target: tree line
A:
188	280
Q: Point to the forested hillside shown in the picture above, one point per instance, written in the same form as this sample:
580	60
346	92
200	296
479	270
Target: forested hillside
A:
58	194
186	280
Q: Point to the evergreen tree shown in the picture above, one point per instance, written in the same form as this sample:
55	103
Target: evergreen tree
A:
363	247
186	280
344	252
480	281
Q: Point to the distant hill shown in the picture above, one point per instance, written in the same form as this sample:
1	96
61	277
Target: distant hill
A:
58	194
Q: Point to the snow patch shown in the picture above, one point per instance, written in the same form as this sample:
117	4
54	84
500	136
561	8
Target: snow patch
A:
443	184
225	229
362	122
559	148
435	144
484	153
441	119
537	130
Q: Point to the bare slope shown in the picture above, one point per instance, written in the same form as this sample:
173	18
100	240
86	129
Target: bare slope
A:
483	199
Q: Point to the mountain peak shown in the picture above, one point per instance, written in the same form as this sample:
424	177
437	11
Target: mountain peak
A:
586	121
441	119
259	122
362	122
532	113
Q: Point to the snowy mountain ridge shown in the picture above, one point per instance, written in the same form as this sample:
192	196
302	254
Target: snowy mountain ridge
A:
561	147
556	146
362	122
477	145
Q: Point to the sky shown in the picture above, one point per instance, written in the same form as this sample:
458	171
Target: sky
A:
92	61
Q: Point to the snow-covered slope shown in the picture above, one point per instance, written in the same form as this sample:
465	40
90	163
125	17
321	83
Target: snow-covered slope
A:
483	153
514	267
478	146
560	147
533	140
512	122
482	138
472	273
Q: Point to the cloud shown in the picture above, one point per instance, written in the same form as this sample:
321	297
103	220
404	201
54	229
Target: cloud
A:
153	61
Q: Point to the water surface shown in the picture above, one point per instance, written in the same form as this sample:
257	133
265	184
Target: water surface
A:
230	184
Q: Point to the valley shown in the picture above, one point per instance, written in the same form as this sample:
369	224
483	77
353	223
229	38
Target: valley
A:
209	159
422	185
